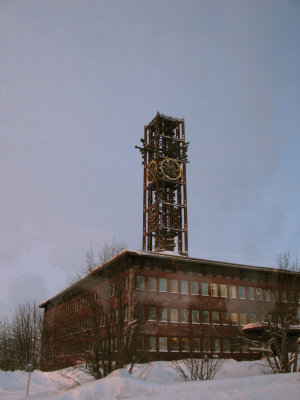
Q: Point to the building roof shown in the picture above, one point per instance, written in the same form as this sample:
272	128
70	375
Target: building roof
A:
162	256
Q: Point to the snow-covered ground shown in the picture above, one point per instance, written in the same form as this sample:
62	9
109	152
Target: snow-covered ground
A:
158	380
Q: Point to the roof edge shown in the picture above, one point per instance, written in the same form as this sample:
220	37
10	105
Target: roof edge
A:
164	256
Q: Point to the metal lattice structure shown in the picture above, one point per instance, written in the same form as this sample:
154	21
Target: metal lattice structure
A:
164	154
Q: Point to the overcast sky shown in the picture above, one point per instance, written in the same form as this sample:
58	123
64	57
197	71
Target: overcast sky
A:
79	79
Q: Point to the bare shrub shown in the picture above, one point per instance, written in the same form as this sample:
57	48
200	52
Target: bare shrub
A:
197	369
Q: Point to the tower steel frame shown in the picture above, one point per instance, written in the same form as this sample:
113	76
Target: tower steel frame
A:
164	154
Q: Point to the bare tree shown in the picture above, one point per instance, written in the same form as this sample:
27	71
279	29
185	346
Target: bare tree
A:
7	355
26	324
107	251
20	337
278	335
49	349
110	250
111	341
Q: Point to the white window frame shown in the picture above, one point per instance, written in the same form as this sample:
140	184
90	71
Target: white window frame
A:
171	285
181	286
194	285
160	280
153	279
138	281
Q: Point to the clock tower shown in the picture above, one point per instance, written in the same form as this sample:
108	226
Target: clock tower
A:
165	198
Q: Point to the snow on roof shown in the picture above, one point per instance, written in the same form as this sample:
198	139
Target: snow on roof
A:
252	326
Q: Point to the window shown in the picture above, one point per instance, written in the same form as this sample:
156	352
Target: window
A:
243	318
185	344
250	293
242	293
226	346
194	287
235	346
283	296
259	293
151	283
125	313
225	318
216	345
113	289
140	312
152	343
260	317
206	345
185	315
151	313
205	317
140	342
173	285
233	291
101	322
251	317
214	289
126	283
195	317
162	314
204	288
162	343
215	317
174	314
196	344
140	282
174	343
113	344
234	318
267	295
162	284
223	289
245	346
184	287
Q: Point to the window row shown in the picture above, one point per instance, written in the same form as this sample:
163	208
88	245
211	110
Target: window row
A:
92	298
194	344
206	289
104	345
86	324
185	315
163	344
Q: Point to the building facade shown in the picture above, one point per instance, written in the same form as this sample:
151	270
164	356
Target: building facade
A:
178	304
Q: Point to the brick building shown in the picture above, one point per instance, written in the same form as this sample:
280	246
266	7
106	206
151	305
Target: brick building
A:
185	304
166	305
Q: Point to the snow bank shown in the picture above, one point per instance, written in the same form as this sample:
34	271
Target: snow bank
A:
158	380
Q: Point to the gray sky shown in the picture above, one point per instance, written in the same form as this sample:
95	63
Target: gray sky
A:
79	79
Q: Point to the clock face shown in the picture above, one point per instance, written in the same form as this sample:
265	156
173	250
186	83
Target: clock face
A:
171	169
151	171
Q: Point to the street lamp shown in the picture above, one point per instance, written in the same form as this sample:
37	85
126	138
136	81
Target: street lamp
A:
28	368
